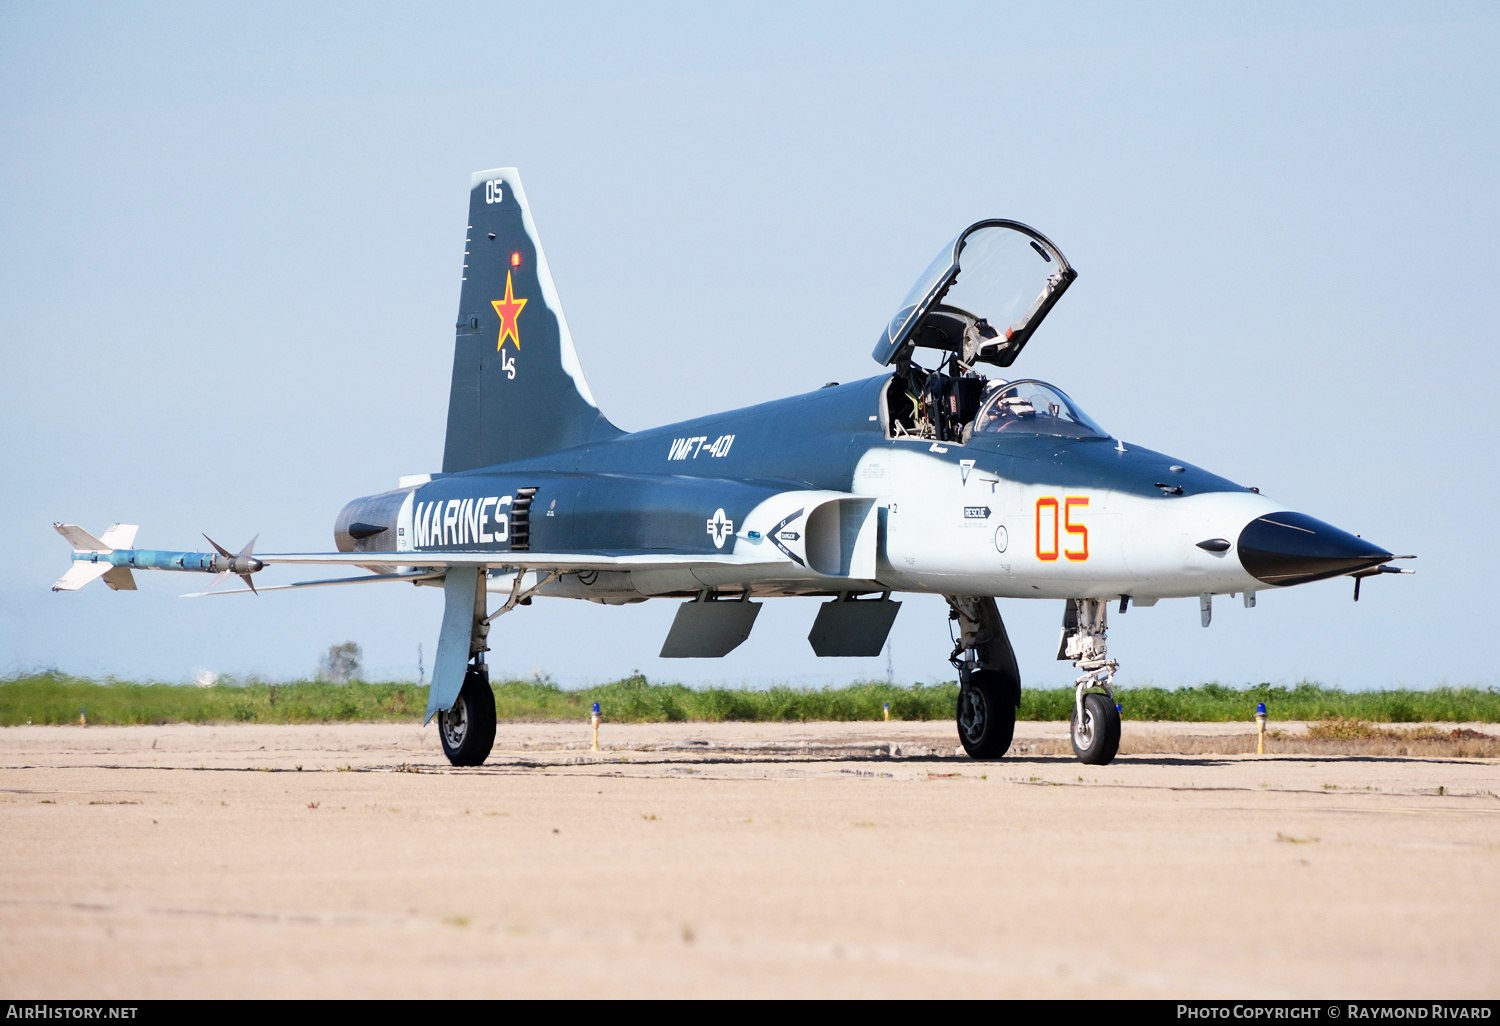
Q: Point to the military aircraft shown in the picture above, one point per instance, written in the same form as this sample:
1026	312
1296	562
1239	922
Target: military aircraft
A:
929	477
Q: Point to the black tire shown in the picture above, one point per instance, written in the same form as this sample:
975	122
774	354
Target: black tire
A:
1097	741
986	716
467	731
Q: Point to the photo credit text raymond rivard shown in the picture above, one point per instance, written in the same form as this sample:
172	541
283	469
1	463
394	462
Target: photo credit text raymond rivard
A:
1358	1011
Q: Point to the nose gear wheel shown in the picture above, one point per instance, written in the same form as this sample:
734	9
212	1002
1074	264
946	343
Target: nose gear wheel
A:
1096	717
1096	733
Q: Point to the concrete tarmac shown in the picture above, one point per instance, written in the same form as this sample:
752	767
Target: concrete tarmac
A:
785	860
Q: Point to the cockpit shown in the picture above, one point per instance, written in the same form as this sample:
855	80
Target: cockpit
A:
978	302
1031	407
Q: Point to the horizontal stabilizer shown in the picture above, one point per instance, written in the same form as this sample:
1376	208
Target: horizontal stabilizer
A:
82	541
80	574
119	578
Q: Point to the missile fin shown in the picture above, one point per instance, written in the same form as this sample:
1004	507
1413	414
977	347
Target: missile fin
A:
80	574
80	539
119	578
120	536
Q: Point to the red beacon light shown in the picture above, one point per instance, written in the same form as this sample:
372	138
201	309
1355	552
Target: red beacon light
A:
515	260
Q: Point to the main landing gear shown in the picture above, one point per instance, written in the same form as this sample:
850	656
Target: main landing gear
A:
1095	725
989	680
468	729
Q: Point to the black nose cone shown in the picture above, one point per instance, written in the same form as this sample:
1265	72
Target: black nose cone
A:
1293	548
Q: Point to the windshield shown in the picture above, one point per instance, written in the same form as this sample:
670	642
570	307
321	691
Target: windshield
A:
1034	408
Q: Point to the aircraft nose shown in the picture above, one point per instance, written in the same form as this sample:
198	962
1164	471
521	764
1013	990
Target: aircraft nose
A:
1293	548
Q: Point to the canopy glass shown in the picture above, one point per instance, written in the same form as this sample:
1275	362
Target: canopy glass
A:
981	297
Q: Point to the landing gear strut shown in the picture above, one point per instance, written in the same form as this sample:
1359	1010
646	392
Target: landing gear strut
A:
989	680
1095	726
467	727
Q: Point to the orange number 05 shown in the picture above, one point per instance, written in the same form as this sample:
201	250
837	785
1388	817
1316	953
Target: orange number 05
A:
1080	531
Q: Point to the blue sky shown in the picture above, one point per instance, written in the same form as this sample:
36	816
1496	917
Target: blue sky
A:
230	245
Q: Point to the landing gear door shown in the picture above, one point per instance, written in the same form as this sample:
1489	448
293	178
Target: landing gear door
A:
981	298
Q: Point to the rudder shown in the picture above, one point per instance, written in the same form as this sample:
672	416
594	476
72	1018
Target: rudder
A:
518	390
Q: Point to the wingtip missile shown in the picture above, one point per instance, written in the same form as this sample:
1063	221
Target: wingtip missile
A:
112	557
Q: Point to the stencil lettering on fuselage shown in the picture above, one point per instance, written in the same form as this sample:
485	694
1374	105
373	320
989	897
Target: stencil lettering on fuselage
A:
691	448
455	523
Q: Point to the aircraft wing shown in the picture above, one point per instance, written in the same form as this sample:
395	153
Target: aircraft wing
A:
432	566
566	561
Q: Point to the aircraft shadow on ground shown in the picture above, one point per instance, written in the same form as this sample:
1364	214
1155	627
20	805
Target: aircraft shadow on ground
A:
577	763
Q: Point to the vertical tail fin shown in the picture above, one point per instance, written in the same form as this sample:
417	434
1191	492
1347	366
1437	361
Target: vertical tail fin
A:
518	390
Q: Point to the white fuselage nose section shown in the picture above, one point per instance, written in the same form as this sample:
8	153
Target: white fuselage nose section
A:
955	529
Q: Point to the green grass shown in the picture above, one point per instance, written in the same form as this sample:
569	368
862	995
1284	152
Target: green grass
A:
54	698
636	700
1218	703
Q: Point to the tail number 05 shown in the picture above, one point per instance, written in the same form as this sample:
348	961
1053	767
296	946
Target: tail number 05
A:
1052	520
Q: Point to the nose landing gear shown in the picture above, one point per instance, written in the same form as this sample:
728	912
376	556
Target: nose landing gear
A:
1095	725
1096	731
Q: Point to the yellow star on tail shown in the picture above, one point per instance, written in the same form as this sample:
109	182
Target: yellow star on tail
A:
509	309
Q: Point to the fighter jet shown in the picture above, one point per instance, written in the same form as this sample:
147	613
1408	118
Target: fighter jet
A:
937	475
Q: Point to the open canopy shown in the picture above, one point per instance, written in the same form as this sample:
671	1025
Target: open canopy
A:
982	297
